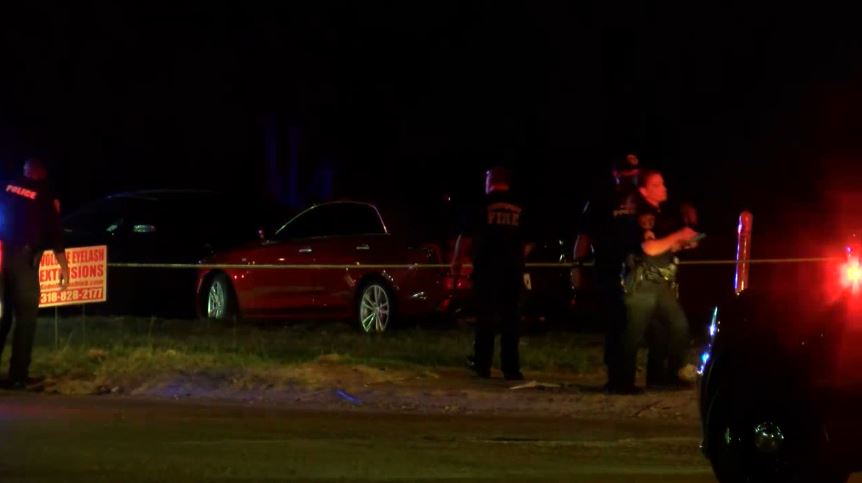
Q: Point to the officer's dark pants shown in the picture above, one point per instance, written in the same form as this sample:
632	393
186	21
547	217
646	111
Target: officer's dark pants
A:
657	371
497	311
612	310
653	301
21	300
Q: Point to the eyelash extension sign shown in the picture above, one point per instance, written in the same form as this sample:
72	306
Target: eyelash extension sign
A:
88	277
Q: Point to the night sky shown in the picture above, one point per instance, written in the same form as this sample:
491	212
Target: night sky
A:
742	106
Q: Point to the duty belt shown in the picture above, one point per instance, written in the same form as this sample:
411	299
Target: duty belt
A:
660	274
639	272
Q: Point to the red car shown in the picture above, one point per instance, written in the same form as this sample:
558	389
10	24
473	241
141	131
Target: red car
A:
326	250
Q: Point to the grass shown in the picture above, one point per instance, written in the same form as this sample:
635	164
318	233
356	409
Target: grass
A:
89	353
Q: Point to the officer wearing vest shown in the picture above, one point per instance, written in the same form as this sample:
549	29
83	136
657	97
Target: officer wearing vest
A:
606	220
29	224
650	282
498	252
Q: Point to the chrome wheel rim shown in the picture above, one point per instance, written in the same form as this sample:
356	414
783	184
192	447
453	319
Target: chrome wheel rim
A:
374	309
216	301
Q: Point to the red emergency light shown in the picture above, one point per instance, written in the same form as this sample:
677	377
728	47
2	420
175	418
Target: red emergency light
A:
851	269
851	273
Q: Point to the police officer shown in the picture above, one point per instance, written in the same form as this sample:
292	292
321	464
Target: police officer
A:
650	282
603	227
30	225
657	372
498	252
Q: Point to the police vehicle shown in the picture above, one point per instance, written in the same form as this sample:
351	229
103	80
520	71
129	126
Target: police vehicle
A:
781	376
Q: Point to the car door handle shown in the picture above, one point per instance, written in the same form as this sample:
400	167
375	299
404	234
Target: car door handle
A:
363	247
305	250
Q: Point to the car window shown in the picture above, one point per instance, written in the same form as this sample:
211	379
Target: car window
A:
308	224
333	220
109	215
354	219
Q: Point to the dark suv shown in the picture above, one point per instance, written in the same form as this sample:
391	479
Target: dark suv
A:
781	377
164	227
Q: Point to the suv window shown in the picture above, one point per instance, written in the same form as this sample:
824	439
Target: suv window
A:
107	215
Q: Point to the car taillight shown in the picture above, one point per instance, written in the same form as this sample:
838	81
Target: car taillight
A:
452	283
851	274
851	270
463	282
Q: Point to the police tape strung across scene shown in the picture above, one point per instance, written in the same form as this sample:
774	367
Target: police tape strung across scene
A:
432	265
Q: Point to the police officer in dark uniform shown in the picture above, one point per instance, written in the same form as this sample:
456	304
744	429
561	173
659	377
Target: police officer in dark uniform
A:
650	282
498	252
29	224
607	219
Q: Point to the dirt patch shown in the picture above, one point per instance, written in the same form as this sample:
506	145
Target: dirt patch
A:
331	384
548	394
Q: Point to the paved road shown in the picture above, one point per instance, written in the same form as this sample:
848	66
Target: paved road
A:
90	439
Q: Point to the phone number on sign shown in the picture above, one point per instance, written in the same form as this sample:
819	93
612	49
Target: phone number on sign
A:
70	296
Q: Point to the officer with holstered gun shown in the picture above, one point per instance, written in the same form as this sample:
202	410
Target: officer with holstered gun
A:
650	283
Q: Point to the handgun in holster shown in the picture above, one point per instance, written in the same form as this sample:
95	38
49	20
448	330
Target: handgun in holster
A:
638	271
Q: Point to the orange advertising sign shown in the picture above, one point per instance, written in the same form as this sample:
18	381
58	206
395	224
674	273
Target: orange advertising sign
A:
88	277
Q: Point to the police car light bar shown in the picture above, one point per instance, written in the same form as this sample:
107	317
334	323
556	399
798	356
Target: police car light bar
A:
743	252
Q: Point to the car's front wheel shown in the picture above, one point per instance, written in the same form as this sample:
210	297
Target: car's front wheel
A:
375	307
220	302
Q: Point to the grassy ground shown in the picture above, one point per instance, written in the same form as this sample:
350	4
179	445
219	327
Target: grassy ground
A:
97	351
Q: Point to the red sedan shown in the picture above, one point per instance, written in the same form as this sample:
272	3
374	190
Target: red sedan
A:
339	261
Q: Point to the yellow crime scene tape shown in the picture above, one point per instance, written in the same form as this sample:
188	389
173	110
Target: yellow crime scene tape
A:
414	266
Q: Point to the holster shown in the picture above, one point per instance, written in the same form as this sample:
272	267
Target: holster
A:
637	272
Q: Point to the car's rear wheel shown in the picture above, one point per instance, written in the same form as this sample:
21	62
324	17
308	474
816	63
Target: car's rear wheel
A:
220	300
375	307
